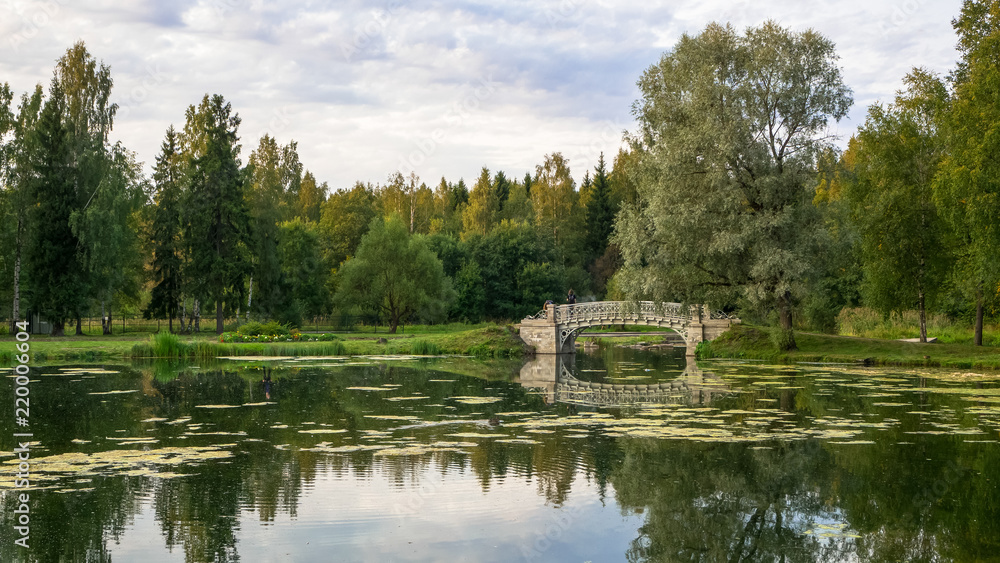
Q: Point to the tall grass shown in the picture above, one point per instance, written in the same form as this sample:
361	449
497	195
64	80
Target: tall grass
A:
866	323
424	348
166	345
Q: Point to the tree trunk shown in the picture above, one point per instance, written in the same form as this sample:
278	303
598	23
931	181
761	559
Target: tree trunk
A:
978	338
170	323
16	309
787	341
218	316
785	310
923	316
79	326
249	298
58	328
197	316
184	315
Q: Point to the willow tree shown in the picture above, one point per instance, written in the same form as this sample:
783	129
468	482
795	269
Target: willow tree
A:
729	125
903	238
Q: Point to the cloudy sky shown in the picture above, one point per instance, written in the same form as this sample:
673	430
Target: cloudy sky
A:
439	87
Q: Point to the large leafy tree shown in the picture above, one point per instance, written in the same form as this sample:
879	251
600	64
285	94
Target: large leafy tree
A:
302	269
729	124
165	231
903	238
346	216
274	177
216	219
968	186
394	273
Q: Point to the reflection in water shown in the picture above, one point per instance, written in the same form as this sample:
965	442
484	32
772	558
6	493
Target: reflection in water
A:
370	460
556	378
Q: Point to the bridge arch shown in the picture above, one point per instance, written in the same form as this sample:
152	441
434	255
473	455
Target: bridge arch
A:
555	328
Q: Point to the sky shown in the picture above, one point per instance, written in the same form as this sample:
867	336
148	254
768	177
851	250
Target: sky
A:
433	87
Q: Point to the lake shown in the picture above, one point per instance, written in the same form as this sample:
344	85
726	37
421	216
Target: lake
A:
616	454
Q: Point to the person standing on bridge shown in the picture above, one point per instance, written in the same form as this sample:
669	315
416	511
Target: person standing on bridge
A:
571	297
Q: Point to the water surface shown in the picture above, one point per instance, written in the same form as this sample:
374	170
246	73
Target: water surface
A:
617	455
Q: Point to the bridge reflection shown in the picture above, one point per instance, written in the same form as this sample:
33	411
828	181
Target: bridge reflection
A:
553	375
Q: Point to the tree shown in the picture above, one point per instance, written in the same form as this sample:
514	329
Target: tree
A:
107	227
728	128
54	270
903	239
274	176
88	117
347	214
165	232
216	219
600	212
481	214
302	269
393	272
311	198
968	186
554	199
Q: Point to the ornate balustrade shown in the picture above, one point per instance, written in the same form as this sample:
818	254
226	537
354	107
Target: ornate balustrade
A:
554	328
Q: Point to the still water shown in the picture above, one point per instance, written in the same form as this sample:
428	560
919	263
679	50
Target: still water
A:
615	455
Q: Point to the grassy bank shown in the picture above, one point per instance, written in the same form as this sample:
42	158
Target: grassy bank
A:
490	341
744	341
866	323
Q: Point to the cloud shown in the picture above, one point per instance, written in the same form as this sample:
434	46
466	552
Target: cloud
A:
364	87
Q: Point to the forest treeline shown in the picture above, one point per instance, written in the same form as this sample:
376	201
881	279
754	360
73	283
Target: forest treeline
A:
730	193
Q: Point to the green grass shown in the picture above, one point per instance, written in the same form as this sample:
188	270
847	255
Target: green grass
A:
488	341
750	342
867	323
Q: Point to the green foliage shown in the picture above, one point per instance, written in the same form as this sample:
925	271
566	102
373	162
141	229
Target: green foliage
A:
346	216
164	236
470	296
394	273
53	266
729	125
424	348
216	219
272	328
166	345
904	243
302	270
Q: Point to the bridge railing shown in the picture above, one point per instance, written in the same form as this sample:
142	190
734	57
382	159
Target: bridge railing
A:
613	312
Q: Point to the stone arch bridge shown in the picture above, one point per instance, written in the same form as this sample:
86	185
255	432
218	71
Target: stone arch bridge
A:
555	328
